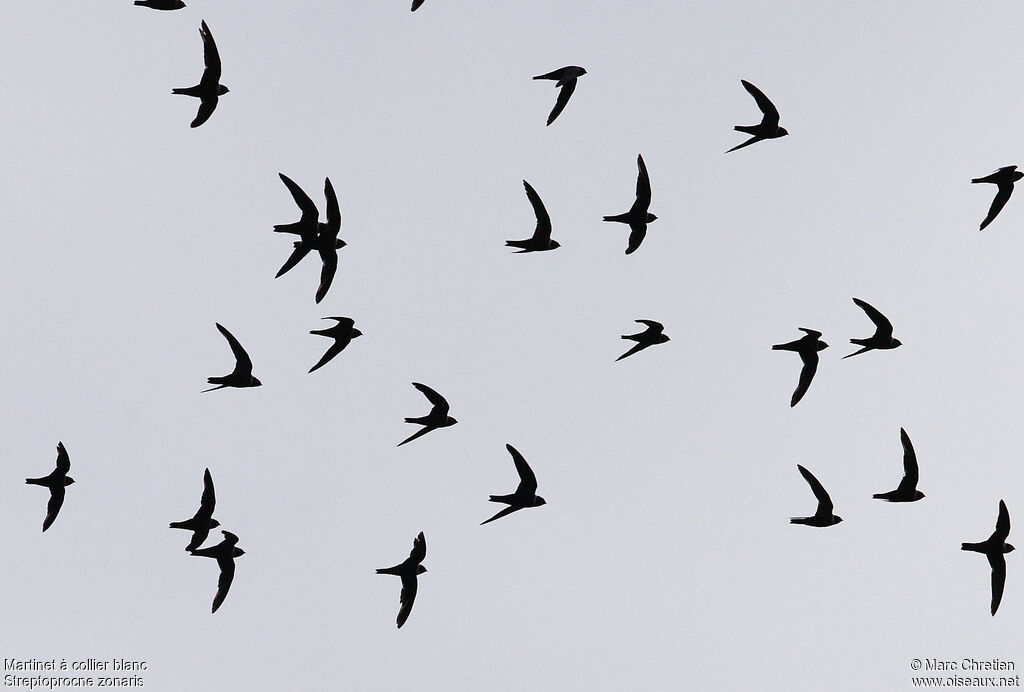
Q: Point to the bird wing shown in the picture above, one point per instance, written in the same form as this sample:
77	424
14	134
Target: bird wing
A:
651	325
333	210
752	140
438	401
643	187
543	229
1002	531
806	375
419	549
910	470
211	76
53	505
635	349
227	575
882	325
330	266
63	460
824	501
771	113
499	515
527	479
637	233
563	98
206	108
1002	196
419	433
209	498
336	348
416	4
310	214
293	259
998	563
242	363
810	332
408	596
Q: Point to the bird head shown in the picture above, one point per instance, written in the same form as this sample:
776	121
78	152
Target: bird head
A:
68	480
356	332
651	217
782	132
836	519
221	90
450	421
1007	548
214	523
237	552
538	501
918	494
339	243
255	382
896	342
552	244
420	569
821	345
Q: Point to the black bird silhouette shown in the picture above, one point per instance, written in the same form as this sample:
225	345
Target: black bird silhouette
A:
995	549
56	481
907	490
313	235
637	217
416	4
224	553
1005	177
565	78
202	521
408	570
241	376
343	332
209	89
437	418
525	494
881	339
823	516
768	128
649	337
808	347
541	239
161	4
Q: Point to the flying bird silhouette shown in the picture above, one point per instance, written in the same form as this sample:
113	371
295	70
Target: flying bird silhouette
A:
437	418
907	490
224	553
161	4
823	516
637	217
881	339
343	332
313	235
525	494
995	549
768	128
654	334
209	89
808	347
241	376
541	239
408	570
202	521
565	78
56	481
1005	177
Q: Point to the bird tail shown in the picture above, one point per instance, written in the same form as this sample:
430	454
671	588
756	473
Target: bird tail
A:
970	546
748	129
516	243
618	217
507	499
36	481
388	570
418	421
798	520
178	525
188	91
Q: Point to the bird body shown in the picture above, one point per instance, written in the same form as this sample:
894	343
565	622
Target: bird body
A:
638	215
209	90
1004	178
314	235
224	553
342	332
882	339
808	347
525	494
565	79
241	376
654	334
995	549
907	490
56	481
541	238
437	418
202	521
823	516
409	570
768	128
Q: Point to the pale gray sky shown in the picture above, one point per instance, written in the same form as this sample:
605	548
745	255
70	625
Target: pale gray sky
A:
664	558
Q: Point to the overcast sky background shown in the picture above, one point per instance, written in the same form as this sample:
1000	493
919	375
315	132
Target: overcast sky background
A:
664	558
